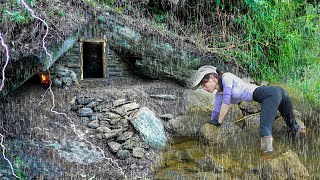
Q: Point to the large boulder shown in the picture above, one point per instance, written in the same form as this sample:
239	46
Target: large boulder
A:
212	134
234	114
286	166
199	100
186	125
150	128
250	107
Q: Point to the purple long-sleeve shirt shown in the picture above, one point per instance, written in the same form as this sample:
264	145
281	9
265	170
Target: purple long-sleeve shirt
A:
235	91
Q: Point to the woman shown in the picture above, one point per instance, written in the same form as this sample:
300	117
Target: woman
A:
231	89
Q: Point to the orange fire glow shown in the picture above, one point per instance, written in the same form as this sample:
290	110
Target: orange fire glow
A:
45	79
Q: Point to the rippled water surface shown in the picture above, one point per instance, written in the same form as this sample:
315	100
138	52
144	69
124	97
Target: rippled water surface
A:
180	159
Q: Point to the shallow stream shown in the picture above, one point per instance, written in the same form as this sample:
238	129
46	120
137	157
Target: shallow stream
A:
181	158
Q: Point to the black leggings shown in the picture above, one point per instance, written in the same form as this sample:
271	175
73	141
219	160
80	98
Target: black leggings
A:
274	98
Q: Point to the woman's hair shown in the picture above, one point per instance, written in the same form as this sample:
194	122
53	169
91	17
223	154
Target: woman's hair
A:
217	75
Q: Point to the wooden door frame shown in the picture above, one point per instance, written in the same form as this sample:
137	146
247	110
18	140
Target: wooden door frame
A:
104	62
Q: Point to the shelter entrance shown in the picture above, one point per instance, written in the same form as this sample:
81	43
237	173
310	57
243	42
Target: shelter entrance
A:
93	58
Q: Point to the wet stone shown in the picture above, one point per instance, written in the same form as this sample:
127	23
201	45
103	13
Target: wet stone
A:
84	100
84	120
104	123
99	136
95	117
103	129
126	135
120	102
123	154
130	107
131	143
114	146
164	97
85	112
111	115
92	104
94	124
114	121
137	152
110	135
76	107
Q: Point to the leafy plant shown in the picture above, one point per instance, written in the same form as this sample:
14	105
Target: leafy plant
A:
14	16
18	168
282	39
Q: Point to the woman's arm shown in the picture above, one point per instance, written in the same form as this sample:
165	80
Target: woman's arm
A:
223	112
225	103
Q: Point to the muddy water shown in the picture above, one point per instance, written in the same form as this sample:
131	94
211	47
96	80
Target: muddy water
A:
179	161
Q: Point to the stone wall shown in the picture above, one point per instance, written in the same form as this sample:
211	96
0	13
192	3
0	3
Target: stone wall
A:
71	59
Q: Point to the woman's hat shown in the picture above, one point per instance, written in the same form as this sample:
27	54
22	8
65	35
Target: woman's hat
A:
201	72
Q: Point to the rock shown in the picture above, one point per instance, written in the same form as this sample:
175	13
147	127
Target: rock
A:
84	120
92	104
63	76
126	135
104	123
172	125
85	112
125	109
186	125
213	134
111	115
123	154
132	142
76	107
164	97
150	128
137	152
130	107
99	136
286	166
103	129
84	100
73	100
199	100
120	102
114	146
166	116
110	135
94	124
57	82
209	163
95	117
113	133
250	107
234	113
250	122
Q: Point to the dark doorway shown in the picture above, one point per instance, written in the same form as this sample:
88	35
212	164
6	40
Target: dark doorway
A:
93	59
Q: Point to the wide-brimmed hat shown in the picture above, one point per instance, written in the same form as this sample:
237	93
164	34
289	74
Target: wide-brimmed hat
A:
201	72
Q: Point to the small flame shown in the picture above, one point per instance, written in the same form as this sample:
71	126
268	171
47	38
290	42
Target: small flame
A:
45	79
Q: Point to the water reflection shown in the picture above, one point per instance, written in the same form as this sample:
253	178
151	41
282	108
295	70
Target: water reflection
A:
185	157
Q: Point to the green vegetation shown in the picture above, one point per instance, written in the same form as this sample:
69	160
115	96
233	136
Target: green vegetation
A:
18	168
283	44
14	12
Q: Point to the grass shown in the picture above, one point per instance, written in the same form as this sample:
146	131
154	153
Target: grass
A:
283	40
